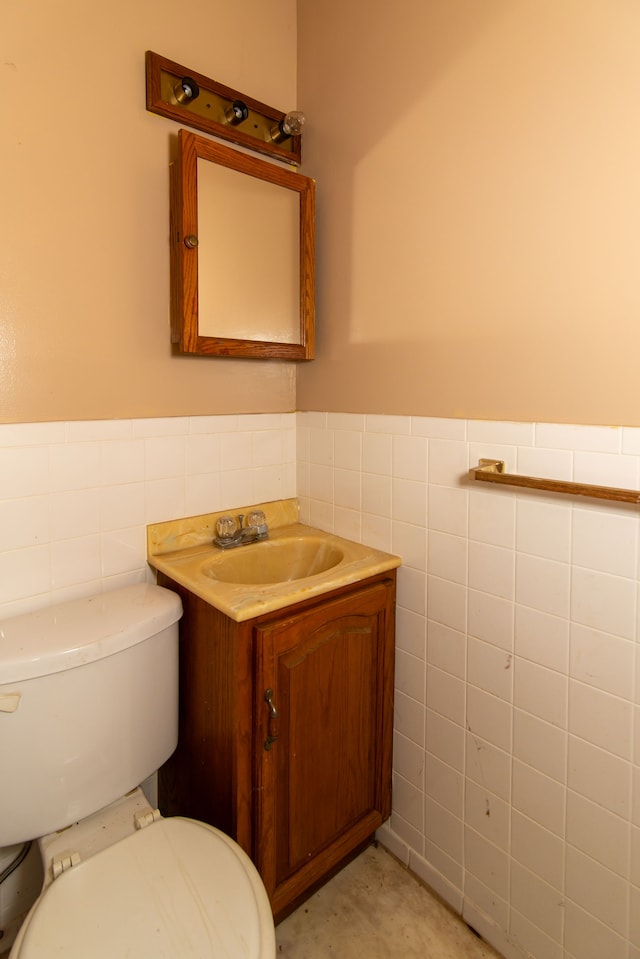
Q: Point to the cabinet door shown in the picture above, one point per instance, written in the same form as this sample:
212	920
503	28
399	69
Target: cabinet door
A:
324	781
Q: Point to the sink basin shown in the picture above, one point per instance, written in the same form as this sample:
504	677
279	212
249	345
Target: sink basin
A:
277	561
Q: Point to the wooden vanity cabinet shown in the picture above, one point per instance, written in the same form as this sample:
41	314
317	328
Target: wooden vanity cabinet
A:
286	726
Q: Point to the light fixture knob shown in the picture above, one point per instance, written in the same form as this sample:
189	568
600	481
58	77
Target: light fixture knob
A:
191	241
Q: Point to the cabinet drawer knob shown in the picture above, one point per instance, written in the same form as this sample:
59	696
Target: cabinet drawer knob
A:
272	729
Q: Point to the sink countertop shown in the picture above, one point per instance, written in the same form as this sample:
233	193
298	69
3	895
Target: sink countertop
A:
192	550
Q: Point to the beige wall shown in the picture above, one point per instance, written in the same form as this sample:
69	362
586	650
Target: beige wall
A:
84	279
479	207
478	203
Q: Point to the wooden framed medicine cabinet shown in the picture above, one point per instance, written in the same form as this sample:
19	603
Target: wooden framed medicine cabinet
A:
242	254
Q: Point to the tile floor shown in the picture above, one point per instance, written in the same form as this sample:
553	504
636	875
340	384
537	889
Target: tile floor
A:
376	908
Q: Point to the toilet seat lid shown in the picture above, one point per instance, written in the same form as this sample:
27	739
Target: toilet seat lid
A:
176	888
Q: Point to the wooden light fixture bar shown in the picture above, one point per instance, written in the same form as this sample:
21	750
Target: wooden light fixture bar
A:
211	109
492	471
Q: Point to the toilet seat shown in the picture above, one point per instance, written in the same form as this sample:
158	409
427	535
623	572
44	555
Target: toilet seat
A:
175	888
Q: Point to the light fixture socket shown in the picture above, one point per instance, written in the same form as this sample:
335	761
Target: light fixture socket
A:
290	126
237	112
186	90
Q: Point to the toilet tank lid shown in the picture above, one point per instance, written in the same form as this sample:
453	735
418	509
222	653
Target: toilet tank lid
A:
72	634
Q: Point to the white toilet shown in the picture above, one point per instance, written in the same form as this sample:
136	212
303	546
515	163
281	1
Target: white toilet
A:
89	709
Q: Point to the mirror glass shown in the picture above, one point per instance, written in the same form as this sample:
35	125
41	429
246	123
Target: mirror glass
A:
248	256
242	254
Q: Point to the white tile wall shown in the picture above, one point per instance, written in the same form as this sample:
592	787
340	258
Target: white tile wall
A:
75	498
517	734
524	698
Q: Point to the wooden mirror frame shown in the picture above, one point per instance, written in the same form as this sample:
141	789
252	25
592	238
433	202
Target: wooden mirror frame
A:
184	251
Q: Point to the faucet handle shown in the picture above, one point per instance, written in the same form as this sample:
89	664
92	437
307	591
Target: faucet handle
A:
256	518
226	527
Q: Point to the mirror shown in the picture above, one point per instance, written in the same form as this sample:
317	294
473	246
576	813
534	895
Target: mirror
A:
242	254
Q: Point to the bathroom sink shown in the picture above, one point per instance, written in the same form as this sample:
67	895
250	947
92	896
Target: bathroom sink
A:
296	562
274	561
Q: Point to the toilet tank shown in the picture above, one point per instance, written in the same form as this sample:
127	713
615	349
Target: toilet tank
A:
88	705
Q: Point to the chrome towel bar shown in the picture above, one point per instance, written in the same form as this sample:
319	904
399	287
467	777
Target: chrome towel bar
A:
492	471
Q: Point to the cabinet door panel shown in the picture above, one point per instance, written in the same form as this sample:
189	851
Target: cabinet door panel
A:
324	777
329	688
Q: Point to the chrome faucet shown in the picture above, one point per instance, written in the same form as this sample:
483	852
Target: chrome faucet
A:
231	532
